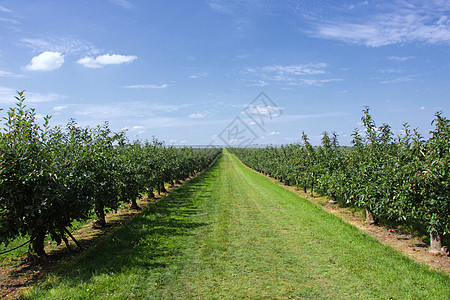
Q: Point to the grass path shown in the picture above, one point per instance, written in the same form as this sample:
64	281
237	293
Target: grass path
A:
231	233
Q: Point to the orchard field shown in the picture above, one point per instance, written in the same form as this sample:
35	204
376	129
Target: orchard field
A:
231	233
228	233
403	179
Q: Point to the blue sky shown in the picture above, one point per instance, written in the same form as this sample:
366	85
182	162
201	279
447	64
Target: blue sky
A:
186	71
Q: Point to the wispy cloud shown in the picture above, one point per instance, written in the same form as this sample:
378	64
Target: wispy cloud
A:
104	60
10	21
259	83
34	97
196	116
199	75
300	74
400	59
123	3
8	74
392	23
7	95
60	107
307	69
46	61
133	109
290	118
147	86
174	122
5	10
219	7
400	79
65	45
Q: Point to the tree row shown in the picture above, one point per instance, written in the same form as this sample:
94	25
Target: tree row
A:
403	179
53	176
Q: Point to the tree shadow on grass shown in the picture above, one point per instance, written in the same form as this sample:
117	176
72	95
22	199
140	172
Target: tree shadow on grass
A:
151	240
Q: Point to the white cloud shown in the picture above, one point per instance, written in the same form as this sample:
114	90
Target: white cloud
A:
196	116
400	58
7	95
60	107
396	22
4	9
168	107
107	59
123	3
260	83
263	110
400	79
133	109
219	7
315	82
389	71
199	75
290	118
46	61
307	69
147	86
65	45
39	97
300	74
274	133
6	74
7	20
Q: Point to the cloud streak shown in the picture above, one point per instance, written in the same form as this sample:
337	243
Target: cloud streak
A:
300	74
4	9
104	60
147	86
123	3
401	22
65	45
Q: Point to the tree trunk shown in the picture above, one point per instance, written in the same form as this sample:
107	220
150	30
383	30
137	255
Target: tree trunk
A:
435	242
163	188
100	212
73	239
36	250
134	204
369	217
296	183
304	188
67	243
311	192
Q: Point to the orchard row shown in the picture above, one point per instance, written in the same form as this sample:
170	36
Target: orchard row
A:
51	177
403	179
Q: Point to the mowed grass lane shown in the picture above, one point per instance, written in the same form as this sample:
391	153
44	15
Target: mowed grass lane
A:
231	233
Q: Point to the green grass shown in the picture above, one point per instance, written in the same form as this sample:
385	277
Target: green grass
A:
231	233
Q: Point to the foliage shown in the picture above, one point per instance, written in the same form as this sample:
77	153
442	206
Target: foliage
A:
51	177
403	179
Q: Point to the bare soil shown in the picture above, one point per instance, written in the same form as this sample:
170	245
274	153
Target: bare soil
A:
14	280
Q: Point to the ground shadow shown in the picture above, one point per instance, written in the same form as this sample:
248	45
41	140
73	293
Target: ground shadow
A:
146	241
